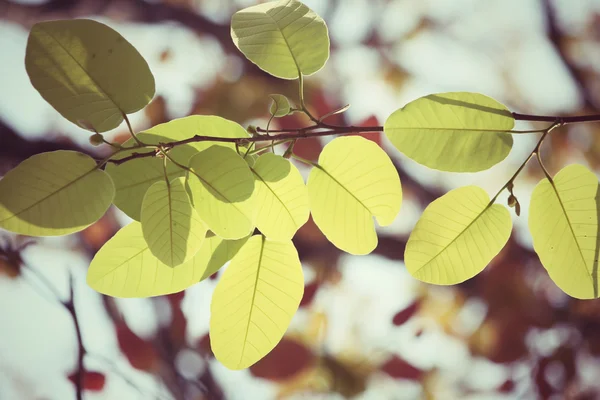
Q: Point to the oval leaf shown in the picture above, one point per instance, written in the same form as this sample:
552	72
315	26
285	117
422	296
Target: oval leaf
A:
254	301
457	132
456	237
88	72
133	178
354	181
221	186
563	220
284	38
171	227
125	267
280	106
281	197
53	194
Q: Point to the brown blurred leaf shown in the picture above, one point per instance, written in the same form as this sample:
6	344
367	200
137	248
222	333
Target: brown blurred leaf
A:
404	315
399	368
140	353
285	361
92	381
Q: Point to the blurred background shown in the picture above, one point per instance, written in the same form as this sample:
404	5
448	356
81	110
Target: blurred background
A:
365	329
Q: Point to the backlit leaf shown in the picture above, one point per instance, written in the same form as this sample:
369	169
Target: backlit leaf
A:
458	132
284	38
254	301
354	182
280	106
221	186
171	227
456	237
53	194
88	72
281	197
125	267
132	179
216	251
563	220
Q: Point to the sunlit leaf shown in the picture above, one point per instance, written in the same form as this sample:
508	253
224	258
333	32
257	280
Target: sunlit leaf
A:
456	237
53	194
125	267
254	301
284	38
458	132
280	106
354	182
171	227
563	220
88	72
216	251
221	186
281	197
132	179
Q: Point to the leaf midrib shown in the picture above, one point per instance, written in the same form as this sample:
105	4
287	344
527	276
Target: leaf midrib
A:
51	194
488	206
83	69
260	256
595	268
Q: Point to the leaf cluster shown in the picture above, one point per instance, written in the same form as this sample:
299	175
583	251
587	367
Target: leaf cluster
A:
198	188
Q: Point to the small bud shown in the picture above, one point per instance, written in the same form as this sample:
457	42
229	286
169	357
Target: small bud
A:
512	201
96	139
252	130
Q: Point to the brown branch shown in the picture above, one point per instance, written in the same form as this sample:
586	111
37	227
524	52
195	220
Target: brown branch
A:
70	306
311	131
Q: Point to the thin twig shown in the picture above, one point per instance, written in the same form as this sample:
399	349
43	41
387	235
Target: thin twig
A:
533	153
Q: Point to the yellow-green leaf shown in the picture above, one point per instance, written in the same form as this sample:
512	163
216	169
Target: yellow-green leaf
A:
132	179
284	38
563	220
53	194
281	197
254	301
171	227
280	106
88	72
125	267
216	251
221	186
354	181
457	132
456	237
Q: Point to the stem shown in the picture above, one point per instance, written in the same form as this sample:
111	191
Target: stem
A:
534	152
133	135
561	120
301	96
304	160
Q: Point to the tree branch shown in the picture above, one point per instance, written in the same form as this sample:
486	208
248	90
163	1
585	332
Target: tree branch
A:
70	306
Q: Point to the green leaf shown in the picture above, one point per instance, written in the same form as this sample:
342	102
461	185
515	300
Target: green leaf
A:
88	72
457	132
53	194
254	301
281	197
280	106
284	38
221	186
216	251
125	267
563	220
133	178
456	237
171	227
354	181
